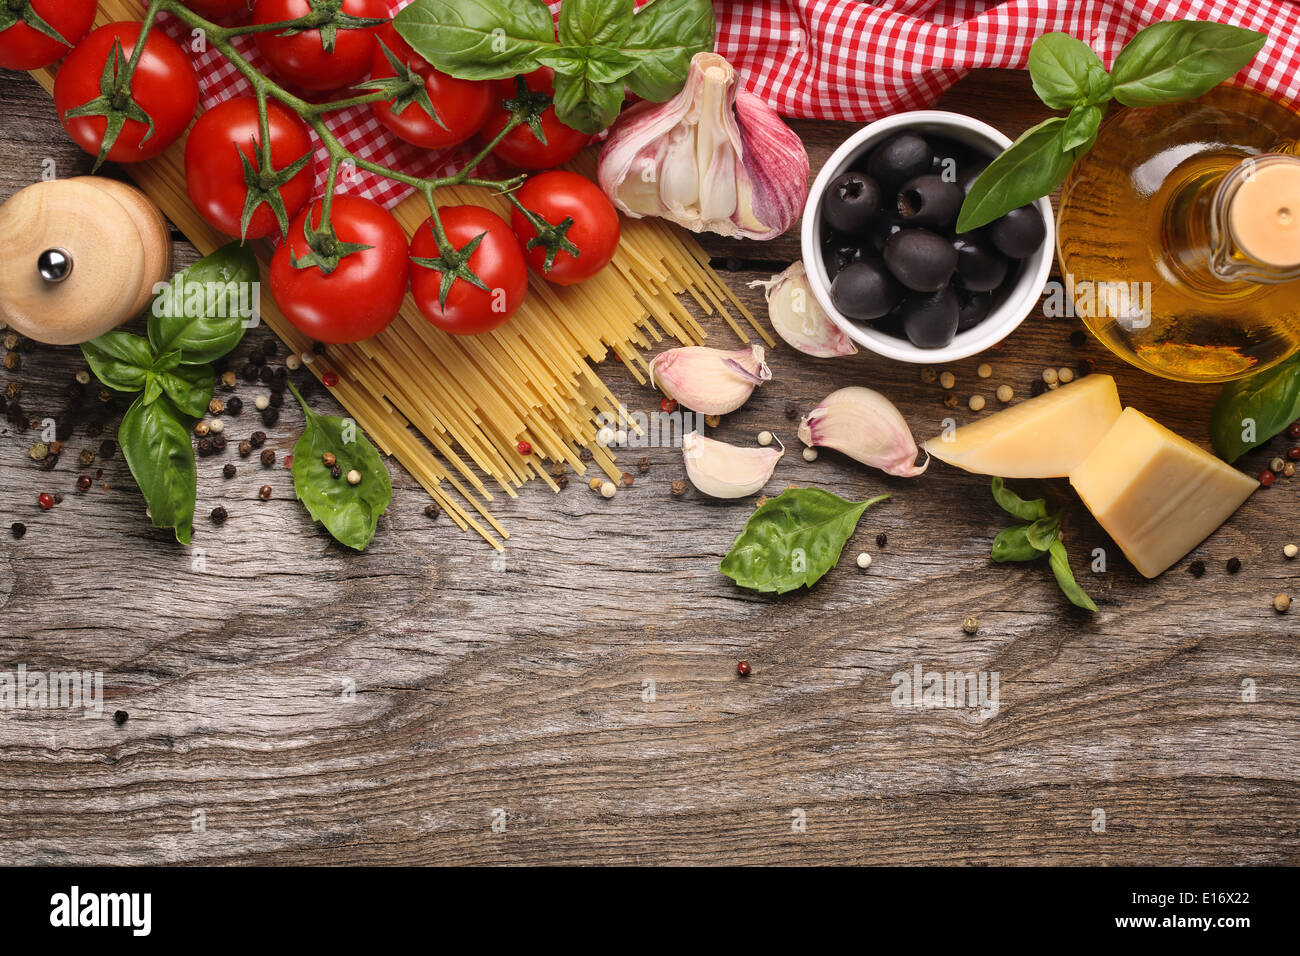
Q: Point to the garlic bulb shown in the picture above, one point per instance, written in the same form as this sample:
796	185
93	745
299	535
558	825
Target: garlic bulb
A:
799	318
866	426
727	471
715	158
710	381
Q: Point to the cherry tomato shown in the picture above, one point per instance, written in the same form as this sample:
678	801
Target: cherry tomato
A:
214	174
163	85
521	147
560	195
219	9
497	262
301	59
462	105
23	47
363	293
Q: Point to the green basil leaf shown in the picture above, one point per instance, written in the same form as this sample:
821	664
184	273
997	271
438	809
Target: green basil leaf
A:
119	359
1060	563
1012	544
1027	170
1042	534
1080	129
792	540
1066	73
156	444
203	312
479	39
349	512
1255	408
189	387
1013	504
599	65
664	37
595	22
1181	59
585	103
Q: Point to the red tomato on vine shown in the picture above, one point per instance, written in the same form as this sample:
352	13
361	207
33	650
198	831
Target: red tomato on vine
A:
461	106
363	291
521	147
163	89
35	33
328	58
484	283
225	177
582	221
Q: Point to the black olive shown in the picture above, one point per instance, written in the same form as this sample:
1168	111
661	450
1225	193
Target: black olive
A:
865	290
972	309
930	321
839	251
1019	233
930	201
921	260
850	203
969	172
884	227
980	266
898	159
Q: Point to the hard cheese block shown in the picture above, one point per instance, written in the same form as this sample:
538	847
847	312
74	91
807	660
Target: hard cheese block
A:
1043	437
1156	493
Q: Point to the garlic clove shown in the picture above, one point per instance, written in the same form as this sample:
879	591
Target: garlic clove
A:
799	319
715	158
721	470
710	381
864	425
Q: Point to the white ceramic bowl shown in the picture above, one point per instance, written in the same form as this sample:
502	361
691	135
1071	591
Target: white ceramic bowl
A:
1001	321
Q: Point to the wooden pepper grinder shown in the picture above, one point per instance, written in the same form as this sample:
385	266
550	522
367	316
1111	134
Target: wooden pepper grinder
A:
79	257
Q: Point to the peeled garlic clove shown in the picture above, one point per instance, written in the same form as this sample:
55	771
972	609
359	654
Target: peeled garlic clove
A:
710	381
727	471
866	426
799	318
715	158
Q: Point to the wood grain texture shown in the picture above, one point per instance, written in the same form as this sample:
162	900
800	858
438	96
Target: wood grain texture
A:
517	685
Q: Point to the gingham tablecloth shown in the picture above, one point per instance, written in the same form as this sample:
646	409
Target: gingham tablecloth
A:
848	60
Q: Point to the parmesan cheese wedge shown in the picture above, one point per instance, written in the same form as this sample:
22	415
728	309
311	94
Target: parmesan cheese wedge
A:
1043	437
1157	494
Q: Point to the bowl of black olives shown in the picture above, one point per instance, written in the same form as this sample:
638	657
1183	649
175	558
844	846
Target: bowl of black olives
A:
883	255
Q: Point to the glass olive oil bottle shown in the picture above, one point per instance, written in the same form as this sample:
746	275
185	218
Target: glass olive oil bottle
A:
1178	236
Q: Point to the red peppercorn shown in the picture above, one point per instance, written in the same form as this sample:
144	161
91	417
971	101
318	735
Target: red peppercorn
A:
1266	478
288	461
45	501
1293	431
330	379
1293	453
743	668
524	448
669	405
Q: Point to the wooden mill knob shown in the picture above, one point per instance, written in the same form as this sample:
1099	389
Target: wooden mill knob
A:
79	257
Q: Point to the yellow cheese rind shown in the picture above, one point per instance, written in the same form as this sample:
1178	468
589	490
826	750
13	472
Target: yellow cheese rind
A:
1043	437
1157	494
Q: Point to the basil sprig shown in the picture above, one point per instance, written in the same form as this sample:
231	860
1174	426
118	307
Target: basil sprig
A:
792	540
1164	63
602	47
1039	535
1252	410
349	512
195	321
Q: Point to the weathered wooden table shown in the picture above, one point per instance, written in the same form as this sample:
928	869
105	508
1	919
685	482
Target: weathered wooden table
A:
577	700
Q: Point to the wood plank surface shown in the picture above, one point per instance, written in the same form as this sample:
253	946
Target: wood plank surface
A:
576	700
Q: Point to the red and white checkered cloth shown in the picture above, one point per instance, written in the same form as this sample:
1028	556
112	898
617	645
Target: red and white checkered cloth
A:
849	60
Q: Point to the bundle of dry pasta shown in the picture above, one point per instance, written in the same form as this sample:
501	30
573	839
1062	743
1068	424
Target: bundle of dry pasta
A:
452	410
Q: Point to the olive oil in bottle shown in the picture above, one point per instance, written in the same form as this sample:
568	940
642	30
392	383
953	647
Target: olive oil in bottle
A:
1178	236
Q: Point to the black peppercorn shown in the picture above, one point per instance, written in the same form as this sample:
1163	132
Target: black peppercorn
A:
270	415
245	448
58	499
1234	565
258	359
280	377
219	442
791	410
336	471
257	439
270	347
432	510
107	448
249	373
120	717
264	375
277	399
228	470
318	348
48	462
643	465
94	429
1084	368
268	458
1196	568
218	515
882	539
1037	387
264	492
18	529
234	405
205	447
1078	339
562	481
83	483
